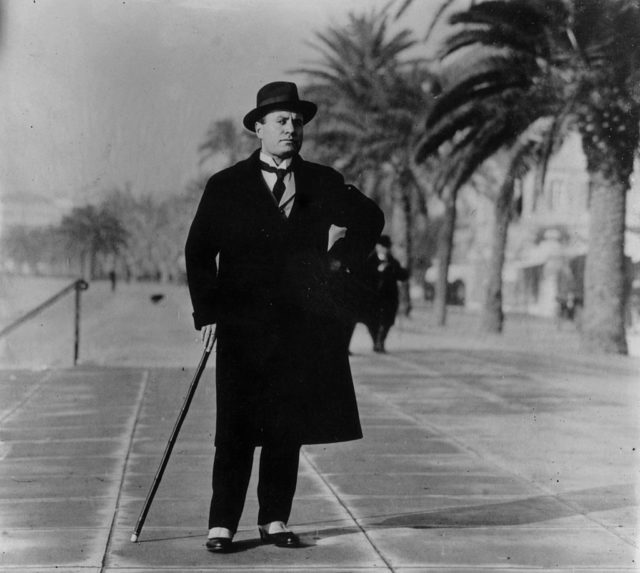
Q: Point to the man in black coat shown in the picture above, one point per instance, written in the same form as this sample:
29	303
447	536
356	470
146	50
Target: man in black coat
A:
270	256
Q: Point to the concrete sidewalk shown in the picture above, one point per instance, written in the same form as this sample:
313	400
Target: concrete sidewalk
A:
479	455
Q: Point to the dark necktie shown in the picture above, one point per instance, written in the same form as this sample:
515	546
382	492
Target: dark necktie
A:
279	187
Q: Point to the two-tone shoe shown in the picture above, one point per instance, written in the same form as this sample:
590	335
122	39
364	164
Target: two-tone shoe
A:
282	537
219	544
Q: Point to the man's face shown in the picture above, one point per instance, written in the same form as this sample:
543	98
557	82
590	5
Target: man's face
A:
281	133
382	251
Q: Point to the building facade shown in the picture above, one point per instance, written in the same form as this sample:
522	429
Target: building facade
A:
547	241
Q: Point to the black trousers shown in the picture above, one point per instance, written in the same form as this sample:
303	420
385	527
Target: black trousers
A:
278	476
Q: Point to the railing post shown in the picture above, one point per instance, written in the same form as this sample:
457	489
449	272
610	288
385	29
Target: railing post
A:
80	285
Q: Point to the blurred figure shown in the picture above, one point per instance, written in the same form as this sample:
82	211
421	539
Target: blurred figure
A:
113	279
568	300
634	308
383	272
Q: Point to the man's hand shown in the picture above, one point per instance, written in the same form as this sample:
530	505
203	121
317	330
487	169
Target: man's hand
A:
208	336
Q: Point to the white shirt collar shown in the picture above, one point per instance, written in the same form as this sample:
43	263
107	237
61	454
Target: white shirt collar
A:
284	164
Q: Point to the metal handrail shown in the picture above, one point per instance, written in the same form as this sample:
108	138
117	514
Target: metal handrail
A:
78	286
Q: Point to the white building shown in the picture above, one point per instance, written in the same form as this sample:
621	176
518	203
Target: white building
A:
31	210
547	244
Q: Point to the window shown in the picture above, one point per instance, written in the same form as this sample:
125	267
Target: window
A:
556	194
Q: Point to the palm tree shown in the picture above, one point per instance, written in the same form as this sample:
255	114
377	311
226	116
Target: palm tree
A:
527	153
225	137
492	89
371	101
605	83
122	204
22	246
152	250
590	53
93	231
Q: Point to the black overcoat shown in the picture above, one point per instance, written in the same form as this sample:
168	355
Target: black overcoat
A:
280	301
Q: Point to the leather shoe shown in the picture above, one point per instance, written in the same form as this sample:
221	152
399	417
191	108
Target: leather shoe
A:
219	545
280	539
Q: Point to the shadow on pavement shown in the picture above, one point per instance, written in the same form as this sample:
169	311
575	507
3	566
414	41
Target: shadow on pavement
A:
519	512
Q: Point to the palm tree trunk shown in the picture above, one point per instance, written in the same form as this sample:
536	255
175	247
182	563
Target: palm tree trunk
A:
603	318
401	224
403	241
445	249
93	259
407	262
493	314
84	264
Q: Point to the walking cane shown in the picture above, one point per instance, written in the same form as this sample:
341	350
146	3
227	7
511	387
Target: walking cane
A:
170	444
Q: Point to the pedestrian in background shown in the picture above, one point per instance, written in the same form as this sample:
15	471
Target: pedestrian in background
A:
383	272
113	279
260	266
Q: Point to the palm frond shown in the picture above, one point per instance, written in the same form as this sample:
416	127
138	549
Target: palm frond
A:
437	17
445	130
461	165
476	88
510	38
531	17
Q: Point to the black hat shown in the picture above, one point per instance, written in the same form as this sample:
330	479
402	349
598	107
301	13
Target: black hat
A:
279	96
385	241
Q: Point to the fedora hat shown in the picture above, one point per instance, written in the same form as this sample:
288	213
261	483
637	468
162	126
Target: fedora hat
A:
279	96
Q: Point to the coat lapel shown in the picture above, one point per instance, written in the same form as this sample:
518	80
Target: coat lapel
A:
261	193
257	189
303	189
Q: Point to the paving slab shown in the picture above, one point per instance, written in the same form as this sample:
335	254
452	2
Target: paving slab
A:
64	512
50	432
398	484
53	569
352	463
507	569
266	567
45	466
504	546
52	546
64	448
57	487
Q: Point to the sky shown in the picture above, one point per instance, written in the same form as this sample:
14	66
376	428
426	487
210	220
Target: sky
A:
98	94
